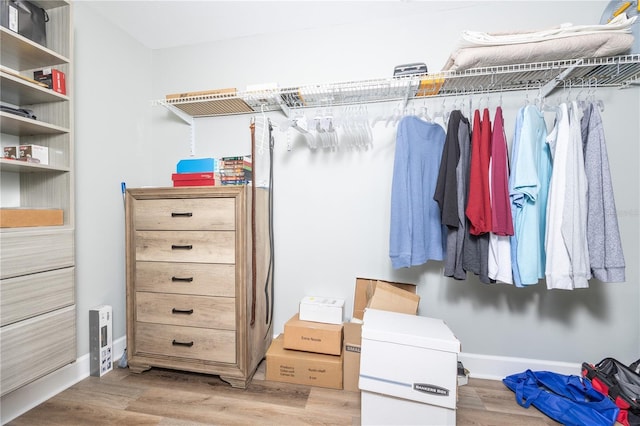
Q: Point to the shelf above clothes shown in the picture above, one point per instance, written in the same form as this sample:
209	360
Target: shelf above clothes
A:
618	71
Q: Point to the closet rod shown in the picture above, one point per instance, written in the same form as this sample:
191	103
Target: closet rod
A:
617	71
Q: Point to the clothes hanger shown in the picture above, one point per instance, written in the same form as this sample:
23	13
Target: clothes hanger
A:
592	95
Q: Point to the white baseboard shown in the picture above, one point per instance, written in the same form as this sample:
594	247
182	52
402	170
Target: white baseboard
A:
480	366
27	397
498	367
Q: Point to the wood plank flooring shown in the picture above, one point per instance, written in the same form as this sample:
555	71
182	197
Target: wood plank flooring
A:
172	398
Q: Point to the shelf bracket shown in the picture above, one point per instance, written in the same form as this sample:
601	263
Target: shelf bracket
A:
285	109
187	119
554	82
181	114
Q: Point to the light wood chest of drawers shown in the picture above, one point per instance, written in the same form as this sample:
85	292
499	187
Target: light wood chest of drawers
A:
192	301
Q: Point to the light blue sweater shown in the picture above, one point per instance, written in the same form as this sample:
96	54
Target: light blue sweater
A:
416	231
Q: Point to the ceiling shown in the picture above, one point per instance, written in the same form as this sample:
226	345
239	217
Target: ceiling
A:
161	24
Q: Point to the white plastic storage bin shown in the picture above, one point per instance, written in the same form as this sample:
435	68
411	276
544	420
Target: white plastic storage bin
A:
408	370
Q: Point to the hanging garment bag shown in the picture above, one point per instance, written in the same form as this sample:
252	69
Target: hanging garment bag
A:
620	383
569	400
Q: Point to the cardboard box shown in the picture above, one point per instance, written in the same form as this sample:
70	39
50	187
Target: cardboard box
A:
312	336
303	368
193	179
33	154
321	309
10	152
100	344
386	297
351	352
366	287
18	217
53	78
423	381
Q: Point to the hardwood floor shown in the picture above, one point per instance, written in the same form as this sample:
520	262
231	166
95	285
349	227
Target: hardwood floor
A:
171	398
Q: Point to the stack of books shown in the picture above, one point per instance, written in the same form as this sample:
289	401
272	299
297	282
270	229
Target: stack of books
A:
235	170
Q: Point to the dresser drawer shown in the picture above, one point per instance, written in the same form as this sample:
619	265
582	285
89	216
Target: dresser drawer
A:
185	214
35	251
191	311
30	295
35	347
186	246
214	279
185	342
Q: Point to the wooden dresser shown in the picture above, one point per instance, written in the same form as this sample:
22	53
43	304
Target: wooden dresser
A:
192	301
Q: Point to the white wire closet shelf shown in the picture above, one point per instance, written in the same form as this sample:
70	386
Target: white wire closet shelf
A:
618	71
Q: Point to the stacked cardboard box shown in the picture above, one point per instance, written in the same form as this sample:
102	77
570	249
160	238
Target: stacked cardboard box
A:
308	353
326	352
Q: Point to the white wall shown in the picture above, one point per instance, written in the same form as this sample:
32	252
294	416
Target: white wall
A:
332	208
112	145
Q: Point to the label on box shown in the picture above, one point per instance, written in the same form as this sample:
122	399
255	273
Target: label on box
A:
13	19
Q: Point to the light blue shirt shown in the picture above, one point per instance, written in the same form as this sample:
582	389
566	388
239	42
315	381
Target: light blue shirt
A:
416	232
530	189
516	197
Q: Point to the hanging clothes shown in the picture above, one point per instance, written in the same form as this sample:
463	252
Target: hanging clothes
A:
416	232
603	236
475	250
558	265
530	186
479	203
499	261
515	197
574	215
450	193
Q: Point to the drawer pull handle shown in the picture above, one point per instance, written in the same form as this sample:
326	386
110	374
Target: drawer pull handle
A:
182	311
176	343
173	214
185	280
178	247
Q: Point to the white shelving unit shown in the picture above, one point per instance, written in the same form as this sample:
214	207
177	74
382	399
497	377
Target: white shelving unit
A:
619	71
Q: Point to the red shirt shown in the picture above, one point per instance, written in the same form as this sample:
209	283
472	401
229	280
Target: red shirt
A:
478	209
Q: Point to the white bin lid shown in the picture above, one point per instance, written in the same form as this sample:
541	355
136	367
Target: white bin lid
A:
411	330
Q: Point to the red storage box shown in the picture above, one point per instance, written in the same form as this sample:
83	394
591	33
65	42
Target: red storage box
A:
53	78
193	179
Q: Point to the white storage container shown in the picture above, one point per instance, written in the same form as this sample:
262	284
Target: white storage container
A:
321	309
408	370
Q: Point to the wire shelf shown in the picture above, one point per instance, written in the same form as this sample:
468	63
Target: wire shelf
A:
618	71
